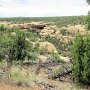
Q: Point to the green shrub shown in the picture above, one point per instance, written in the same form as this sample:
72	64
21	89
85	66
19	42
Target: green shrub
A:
31	56
16	47
56	72
60	46
56	57
22	75
59	21
65	32
88	21
2	28
43	51
56	42
81	59
32	36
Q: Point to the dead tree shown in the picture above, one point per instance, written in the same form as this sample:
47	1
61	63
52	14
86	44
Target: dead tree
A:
37	70
9	61
9	65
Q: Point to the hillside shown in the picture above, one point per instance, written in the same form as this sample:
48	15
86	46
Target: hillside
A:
45	62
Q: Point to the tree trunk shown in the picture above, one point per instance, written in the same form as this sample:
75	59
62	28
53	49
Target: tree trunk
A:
9	65
37	70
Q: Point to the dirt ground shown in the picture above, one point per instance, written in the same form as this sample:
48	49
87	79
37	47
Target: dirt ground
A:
10	87
43	81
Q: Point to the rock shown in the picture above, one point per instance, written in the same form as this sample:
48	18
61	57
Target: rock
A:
48	46
24	83
61	70
46	86
27	39
37	26
50	64
24	26
75	29
66	39
43	58
13	25
13	34
66	59
46	32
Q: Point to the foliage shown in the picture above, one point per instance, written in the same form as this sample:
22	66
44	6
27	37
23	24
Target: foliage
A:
88	1
2	28
56	57
65	32
43	51
88	21
56	72
21	75
60	46
6	46
31	56
59	21
16	46
81	59
21	46
56	42
32	36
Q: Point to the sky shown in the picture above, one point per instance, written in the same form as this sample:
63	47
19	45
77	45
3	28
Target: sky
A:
43	8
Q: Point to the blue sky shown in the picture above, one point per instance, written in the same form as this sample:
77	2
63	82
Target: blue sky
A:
39	8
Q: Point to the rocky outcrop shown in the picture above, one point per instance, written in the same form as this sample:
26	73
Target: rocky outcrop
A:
43	58
37	26
49	30
75	29
48	46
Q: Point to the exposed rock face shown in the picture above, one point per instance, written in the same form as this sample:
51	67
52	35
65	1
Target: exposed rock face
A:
43	58
13	25
54	31
75	29
49	30
48	46
24	26
67	39
45	29
37	26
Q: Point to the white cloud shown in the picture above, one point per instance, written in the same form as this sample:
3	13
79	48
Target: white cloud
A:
14	8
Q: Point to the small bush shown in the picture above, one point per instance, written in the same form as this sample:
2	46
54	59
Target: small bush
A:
56	57
65	32
2	28
56	42
21	75
56	72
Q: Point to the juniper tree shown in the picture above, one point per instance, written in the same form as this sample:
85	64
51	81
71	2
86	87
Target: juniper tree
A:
81	59
88	1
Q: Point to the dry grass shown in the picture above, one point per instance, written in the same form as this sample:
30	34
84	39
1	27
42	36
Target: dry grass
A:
22	75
